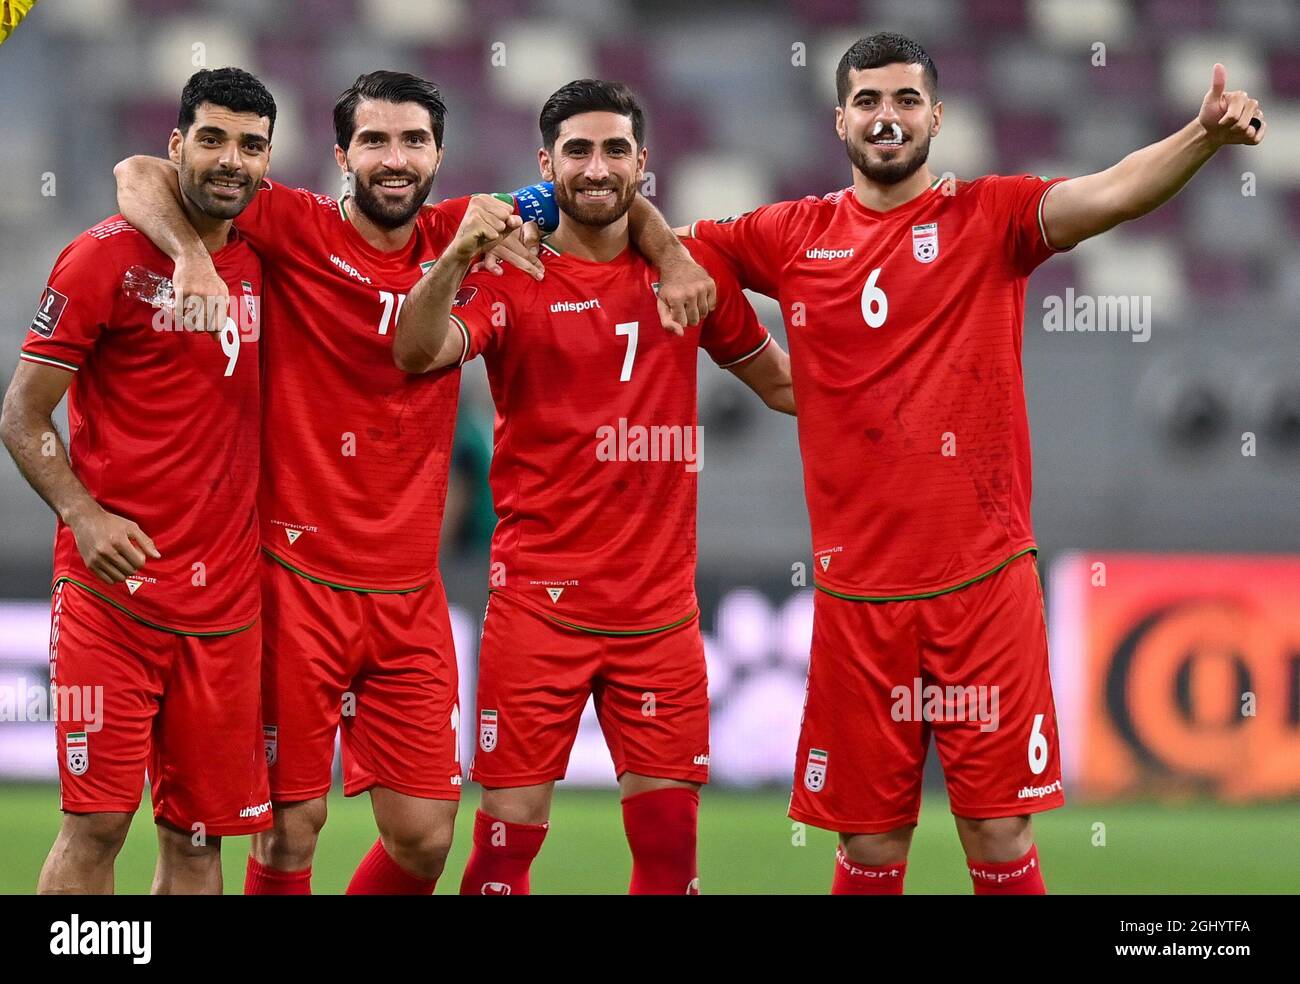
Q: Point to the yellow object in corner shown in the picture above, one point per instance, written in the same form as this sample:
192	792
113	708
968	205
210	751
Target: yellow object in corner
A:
11	14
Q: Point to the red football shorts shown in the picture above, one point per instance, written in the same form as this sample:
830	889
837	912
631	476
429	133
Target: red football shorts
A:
651	694
969	666
381	665
184	708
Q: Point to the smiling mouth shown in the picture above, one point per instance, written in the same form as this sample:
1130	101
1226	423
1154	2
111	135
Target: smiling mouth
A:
228	185
597	194
395	183
886	136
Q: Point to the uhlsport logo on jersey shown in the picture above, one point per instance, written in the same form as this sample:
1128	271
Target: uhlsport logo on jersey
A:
77	753
271	743
814	773
487	730
925	242
494	888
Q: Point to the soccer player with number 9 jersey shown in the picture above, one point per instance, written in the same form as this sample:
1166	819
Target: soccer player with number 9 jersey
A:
155	636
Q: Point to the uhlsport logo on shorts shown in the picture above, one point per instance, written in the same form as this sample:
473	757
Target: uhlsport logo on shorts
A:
77	751
814	773
487	730
271	743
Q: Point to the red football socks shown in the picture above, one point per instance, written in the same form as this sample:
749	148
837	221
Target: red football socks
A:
1020	877
661	831
852	878
502	854
379	874
261	880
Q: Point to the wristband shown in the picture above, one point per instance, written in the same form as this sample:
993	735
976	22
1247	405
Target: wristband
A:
536	203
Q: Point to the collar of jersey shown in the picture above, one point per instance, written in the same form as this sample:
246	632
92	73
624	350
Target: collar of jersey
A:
625	256
398	257
897	210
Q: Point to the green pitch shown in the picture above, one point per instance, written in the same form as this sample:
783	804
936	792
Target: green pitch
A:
747	845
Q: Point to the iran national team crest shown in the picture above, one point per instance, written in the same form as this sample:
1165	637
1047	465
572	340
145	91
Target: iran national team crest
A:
487	730
271	743
925	242
77	752
814	773
250	303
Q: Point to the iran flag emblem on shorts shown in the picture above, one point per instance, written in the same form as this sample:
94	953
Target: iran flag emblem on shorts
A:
814	773
271	743
925	242
487	730
77	750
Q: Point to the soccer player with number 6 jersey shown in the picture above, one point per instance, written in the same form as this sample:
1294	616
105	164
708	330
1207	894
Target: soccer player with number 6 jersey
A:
594	480
904	298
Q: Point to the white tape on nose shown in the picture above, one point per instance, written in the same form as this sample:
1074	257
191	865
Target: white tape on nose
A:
880	126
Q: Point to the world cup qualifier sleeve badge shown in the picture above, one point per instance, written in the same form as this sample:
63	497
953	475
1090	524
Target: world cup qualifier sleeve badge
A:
814	773
925	242
487	730
77	753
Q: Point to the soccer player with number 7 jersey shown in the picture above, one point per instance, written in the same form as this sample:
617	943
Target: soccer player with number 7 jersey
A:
594	480
355	466
904	299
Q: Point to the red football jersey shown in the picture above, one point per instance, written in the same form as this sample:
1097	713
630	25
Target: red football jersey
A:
596	448
356	451
163	428
905	330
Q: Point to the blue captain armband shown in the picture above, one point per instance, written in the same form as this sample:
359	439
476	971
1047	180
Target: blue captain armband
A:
536	203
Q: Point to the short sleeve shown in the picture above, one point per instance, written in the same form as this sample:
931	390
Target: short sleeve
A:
441	221
732	333
480	311
76	306
755	245
1016	204
275	212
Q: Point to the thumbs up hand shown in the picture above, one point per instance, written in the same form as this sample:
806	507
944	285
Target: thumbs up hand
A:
1230	116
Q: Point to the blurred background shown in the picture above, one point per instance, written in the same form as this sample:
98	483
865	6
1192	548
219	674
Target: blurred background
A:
1167	472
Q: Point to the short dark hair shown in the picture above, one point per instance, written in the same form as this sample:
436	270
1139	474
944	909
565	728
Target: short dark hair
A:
591	96
232	89
877	50
394	87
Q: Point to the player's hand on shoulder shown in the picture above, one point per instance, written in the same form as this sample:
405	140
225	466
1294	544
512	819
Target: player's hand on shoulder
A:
201	295
113	547
520	249
1227	115
488	221
686	294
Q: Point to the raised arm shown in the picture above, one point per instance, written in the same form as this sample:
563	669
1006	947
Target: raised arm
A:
113	547
768	375
686	291
422	341
149	197
1086	206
